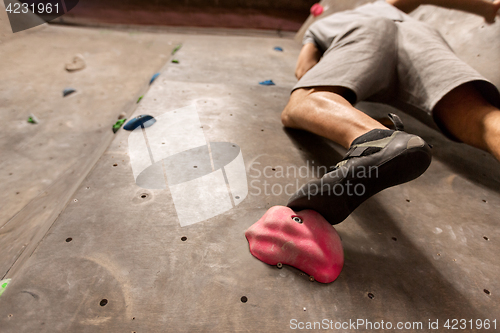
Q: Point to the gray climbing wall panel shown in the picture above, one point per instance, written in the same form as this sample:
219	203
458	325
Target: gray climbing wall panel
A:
118	260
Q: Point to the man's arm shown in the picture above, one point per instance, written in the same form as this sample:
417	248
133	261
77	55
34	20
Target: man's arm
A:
308	57
484	8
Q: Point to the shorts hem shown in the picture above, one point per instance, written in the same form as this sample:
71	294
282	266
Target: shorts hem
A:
349	85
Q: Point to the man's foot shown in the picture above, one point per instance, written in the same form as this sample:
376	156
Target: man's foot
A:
375	161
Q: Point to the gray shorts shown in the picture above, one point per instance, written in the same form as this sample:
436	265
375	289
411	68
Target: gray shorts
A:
404	64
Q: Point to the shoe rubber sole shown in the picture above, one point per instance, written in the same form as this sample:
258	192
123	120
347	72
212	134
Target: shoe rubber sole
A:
338	193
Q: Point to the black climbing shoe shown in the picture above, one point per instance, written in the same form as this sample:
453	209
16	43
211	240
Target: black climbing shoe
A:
375	161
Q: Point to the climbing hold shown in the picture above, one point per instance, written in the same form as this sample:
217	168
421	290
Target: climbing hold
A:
3	285
175	61
76	64
277	48
139	99
68	91
177	48
153	78
118	124
32	119
267	83
316	9
143	120
313	246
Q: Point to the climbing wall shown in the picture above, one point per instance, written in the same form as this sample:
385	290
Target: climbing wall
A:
119	258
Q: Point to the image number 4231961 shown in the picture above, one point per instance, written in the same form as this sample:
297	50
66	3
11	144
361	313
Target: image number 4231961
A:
26	14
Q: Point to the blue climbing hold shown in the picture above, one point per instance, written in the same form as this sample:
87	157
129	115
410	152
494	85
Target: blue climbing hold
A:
267	83
277	48
143	120
153	78
68	91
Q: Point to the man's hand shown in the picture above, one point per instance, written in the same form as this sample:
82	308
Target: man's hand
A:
493	12
308	57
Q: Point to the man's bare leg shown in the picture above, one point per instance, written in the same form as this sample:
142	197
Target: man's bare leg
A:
323	111
470	118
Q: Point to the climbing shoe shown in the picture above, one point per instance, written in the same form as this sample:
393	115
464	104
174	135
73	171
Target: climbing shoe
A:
375	161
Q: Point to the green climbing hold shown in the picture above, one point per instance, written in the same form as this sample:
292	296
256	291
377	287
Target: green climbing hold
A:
139	99
3	285
177	48
32	119
118	125
175	61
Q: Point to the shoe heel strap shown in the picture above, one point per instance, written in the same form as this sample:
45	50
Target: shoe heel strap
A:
398	123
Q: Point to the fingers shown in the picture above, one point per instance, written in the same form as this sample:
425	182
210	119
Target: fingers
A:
492	12
497	7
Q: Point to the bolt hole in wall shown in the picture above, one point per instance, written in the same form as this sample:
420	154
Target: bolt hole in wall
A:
115	165
144	196
394	239
244	299
184	238
370	296
103	302
487	292
69	239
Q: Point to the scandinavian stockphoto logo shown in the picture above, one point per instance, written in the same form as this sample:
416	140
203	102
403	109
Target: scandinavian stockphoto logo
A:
204	178
26	14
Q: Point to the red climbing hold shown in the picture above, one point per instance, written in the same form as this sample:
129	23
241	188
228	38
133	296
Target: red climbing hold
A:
316	9
304	240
